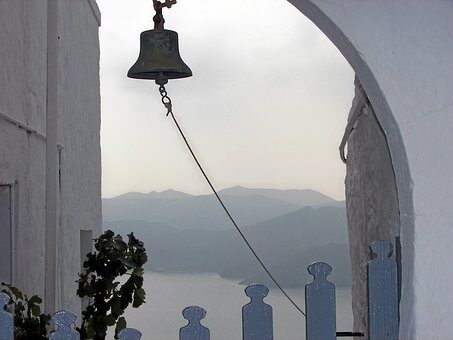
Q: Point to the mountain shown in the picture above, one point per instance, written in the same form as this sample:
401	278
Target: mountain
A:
305	197
195	212
294	236
338	204
183	211
287	244
167	194
302	229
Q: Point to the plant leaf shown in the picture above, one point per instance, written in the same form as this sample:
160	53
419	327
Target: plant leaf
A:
120	325
139	298
35	310
138	272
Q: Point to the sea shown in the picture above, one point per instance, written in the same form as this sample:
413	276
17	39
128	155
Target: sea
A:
167	295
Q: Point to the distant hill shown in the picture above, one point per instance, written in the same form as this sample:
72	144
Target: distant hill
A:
305	197
183	211
196	212
167	194
338	204
287	244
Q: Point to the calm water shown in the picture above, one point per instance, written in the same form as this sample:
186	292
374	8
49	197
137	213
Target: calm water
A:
168	294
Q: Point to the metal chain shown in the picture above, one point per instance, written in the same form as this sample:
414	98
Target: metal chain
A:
166	99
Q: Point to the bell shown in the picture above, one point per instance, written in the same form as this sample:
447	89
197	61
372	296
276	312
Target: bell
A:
159	57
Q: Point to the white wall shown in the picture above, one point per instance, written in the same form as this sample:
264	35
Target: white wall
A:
79	132
371	200
22	155
401	51
23	96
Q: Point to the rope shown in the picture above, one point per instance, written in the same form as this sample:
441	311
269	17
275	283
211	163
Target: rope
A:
168	105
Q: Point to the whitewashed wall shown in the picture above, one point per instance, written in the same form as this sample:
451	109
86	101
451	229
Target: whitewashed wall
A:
22	155
401	51
79	132
23	96
371	201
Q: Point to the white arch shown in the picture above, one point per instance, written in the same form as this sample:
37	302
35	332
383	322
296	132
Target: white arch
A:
401	52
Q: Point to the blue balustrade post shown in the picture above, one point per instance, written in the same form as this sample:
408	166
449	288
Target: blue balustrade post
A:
257	315
129	334
320	304
6	319
64	321
194	329
382	293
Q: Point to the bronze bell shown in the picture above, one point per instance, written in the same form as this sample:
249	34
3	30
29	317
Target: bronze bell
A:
159	57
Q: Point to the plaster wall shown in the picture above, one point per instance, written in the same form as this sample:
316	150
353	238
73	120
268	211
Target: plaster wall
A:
23	96
401	52
79	126
23	47
371	200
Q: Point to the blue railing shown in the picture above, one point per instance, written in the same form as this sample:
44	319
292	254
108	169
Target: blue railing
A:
257	320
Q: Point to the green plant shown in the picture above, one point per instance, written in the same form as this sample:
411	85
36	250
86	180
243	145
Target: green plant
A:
109	298
29	322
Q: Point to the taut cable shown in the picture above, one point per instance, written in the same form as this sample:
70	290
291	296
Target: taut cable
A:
168	105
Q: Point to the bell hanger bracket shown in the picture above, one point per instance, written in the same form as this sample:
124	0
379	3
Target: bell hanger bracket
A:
159	18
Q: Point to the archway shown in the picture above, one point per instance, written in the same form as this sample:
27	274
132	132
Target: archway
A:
322	18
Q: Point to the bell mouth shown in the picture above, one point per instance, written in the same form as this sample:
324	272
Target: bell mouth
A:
159	57
158	75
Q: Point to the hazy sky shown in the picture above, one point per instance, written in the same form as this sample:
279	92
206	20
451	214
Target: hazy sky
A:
266	107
